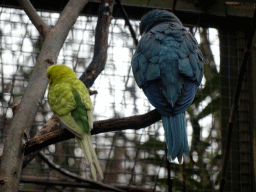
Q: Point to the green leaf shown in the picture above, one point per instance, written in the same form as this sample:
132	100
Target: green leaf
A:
212	107
153	143
155	160
161	181
210	87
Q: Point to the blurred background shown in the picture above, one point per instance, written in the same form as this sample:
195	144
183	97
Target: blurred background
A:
137	157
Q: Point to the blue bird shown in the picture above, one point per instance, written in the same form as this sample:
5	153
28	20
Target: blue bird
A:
168	66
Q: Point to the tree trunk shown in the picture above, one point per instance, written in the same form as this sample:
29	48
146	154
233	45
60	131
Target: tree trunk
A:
11	163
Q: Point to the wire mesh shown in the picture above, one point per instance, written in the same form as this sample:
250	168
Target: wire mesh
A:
131	157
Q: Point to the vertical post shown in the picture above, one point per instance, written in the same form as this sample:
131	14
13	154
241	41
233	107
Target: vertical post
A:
228	69
252	81
245	173
168	164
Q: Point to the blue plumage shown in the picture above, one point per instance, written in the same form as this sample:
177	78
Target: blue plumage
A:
168	66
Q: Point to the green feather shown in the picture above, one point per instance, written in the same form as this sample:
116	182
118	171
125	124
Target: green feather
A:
80	113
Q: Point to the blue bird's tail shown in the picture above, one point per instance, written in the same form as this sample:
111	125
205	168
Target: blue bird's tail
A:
176	136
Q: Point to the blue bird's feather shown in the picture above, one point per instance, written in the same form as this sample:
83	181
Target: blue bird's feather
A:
168	66
175	135
173	118
186	97
156	98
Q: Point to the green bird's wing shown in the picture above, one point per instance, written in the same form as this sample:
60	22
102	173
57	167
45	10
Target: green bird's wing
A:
80	113
84	105
83	117
66	103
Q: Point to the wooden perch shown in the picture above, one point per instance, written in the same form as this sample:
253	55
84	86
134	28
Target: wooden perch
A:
53	132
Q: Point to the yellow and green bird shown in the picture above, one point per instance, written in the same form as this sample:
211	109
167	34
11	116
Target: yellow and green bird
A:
70	101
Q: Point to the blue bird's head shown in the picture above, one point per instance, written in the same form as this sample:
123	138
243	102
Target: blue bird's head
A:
156	17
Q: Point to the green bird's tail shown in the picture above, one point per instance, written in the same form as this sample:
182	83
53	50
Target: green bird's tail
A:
90	155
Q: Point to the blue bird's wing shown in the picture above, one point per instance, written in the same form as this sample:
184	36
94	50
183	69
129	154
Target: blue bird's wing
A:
190	59
168	53
145	62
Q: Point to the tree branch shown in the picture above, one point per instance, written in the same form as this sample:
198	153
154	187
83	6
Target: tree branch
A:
11	163
53	132
41	26
101	44
93	184
127	22
46	181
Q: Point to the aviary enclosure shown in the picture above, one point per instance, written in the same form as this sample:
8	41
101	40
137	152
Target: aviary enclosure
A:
128	136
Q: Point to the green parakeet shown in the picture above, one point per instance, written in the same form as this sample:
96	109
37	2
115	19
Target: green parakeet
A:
70	101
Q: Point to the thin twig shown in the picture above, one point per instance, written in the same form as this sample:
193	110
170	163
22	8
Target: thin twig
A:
108	158
169	179
86	183
184	180
94	184
41	26
28	158
235	103
127	22
158	173
53	181
136	159
174	6
66	183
